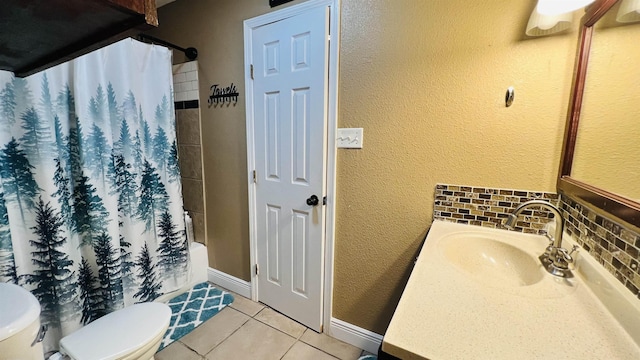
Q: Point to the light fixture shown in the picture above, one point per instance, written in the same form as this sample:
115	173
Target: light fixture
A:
541	25
555	7
629	11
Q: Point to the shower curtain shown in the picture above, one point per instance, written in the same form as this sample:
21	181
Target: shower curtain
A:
90	194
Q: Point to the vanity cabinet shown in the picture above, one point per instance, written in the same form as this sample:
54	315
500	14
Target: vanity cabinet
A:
37	34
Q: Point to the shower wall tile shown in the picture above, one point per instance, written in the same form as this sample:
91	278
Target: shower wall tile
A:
488	207
188	126
185	81
189	104
190	161
189	146
193	195
198	226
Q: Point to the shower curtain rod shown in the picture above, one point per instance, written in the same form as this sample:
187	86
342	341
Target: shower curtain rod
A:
190	52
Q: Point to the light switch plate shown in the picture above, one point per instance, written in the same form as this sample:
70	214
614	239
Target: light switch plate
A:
350	138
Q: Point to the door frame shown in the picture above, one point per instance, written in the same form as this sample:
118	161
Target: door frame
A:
332	125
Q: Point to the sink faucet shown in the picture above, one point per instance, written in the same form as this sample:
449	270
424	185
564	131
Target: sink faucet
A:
555	259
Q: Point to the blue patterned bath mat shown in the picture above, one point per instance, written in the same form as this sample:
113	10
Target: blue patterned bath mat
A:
192	308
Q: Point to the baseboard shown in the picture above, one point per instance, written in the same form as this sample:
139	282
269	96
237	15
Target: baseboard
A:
229	282
341	330
354	335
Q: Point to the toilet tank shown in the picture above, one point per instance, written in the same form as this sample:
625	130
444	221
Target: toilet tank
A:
19	324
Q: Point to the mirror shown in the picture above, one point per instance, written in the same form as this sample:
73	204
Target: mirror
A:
607	149
601	157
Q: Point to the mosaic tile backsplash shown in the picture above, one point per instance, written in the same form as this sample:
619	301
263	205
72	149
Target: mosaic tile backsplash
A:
614	245
483	206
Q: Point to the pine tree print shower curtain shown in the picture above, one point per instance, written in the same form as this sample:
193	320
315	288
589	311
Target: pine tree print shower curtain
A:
90	194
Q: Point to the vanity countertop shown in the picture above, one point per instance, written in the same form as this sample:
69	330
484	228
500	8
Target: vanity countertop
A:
446	314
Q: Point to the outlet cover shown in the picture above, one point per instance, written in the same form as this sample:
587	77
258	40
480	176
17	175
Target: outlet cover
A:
350	138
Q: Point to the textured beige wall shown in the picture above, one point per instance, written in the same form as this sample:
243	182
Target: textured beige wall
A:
426	81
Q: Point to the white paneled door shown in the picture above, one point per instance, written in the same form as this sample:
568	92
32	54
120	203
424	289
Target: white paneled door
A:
290	72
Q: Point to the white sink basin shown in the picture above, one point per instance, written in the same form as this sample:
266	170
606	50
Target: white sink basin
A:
480	293
491	259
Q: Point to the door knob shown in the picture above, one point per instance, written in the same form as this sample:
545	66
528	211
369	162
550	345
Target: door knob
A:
312	200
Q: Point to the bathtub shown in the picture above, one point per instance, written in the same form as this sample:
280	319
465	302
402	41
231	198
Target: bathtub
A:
197	271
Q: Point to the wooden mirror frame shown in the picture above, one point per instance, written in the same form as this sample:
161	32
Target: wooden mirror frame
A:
609	203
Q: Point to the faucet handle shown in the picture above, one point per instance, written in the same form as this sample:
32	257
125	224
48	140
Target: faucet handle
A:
566	254
549	248
546	234
573	249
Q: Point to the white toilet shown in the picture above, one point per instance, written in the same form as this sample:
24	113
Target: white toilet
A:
134	332
19	324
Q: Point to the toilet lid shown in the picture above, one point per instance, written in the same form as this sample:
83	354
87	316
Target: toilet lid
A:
119	333
18	309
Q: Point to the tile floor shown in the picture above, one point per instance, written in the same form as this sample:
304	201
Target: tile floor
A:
247	330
